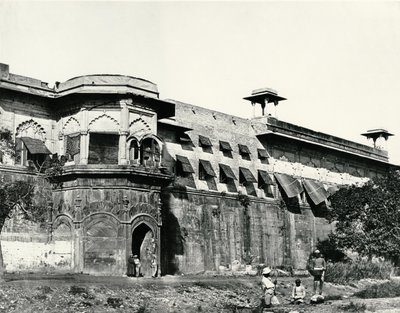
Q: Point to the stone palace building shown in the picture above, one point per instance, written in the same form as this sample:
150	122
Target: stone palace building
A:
194	188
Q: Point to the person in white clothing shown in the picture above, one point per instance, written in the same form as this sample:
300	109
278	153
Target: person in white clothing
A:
298	292
267	286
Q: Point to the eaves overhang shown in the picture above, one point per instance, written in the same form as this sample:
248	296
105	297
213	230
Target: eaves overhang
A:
28	89
174	124
326	146
101	170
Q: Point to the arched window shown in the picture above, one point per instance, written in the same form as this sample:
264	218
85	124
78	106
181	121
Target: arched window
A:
150	152
133	151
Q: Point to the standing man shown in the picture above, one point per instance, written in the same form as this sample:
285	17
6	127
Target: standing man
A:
319	268
137	265
131	266
154	266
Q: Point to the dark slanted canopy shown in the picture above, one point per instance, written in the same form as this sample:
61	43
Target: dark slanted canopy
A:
225	145
265	178
184	138
289	184
35	146
207	168
247	175
243	149
205	141
227	171
315	191
262	154
184	161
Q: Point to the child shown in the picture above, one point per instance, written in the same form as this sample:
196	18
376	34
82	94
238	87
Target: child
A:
298	293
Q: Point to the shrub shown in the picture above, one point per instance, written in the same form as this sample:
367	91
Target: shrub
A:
76	290
354	307
343	273
114	302
389	289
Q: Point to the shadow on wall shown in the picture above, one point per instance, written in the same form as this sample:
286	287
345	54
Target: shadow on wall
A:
172	238
292	204
319	210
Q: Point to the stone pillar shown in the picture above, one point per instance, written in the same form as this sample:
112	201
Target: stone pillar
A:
84	148
84	145
124	131
128	238
78	238
122	151
158	236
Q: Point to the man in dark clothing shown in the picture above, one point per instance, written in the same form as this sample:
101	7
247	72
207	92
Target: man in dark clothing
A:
131	266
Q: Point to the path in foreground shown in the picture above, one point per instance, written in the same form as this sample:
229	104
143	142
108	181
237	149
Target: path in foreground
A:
83	293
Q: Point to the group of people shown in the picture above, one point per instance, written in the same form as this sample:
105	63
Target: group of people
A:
134	266
317	269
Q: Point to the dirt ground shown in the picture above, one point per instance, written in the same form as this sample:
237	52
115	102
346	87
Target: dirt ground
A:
221	294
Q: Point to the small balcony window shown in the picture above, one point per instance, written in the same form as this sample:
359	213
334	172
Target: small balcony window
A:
150	152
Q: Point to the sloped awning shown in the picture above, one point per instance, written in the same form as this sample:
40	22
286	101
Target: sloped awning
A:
35	146
243	149
315	191
205	141
225	146
264	178
262	154
184	138
185	163
207	168
247	175
289	184
227	171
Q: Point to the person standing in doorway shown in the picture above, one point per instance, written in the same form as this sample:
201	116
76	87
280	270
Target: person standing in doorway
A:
131	266
154	266
137	266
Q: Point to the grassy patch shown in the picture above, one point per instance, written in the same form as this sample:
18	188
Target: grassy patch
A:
389	289
354	307
343	273
333	297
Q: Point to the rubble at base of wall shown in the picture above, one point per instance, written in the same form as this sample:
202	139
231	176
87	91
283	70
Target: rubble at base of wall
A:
301	272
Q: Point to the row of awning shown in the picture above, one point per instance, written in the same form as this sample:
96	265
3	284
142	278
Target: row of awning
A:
290	185
226	146
293	187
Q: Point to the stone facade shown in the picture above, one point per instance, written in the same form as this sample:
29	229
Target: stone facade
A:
190	187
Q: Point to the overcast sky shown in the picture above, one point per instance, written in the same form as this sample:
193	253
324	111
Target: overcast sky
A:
338	63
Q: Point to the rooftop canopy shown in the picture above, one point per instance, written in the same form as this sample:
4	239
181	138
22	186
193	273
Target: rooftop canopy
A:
264	95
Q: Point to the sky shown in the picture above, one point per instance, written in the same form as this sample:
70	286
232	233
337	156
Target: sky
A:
337	63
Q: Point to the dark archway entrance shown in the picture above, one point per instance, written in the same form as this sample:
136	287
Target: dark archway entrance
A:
144	246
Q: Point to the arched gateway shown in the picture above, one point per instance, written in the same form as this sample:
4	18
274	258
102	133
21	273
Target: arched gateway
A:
145	243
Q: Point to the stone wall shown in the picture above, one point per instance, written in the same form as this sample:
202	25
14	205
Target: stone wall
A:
26	245
202	232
